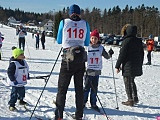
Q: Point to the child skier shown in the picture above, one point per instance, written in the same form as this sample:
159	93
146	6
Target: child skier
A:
94	66
18	73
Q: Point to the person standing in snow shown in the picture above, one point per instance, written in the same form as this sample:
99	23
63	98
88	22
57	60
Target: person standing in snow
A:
21	32
94	66
131	58
150	46
37	41
18	73
43	40
1	40
73	34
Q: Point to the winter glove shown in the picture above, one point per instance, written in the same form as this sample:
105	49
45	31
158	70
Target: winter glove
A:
15	82
111	52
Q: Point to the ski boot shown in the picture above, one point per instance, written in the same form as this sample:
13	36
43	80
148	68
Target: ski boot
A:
21	102
95	107
129	103
148	63
136	100
12	108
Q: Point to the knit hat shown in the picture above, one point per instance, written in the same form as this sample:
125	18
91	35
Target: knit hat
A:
17	52
95	33
150	36
74	9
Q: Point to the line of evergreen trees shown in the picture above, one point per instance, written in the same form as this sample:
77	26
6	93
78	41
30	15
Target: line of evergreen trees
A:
108	21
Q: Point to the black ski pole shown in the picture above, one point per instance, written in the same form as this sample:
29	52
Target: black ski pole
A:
114	84
99	101
40	77
46	83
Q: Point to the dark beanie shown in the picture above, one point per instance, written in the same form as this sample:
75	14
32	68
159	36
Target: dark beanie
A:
74	9
95	33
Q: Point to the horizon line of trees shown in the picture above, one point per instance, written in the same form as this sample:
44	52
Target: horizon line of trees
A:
147	19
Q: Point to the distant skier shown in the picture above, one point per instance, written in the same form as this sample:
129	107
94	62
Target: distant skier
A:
43	39
21	32
18	73
37	41
150	46
94	66
1	40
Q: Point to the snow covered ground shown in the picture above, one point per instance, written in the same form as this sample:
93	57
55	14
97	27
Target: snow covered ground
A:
41	63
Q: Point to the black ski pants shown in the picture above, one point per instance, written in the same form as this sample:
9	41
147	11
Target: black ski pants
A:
149	56
130	87
43	44
22	42
77	71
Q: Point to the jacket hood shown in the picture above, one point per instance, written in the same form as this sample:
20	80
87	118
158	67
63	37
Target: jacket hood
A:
131	30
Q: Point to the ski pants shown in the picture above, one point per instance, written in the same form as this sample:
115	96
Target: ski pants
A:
91	85
43	45
130	87
16	93
37	44
22	42
77	71
149	56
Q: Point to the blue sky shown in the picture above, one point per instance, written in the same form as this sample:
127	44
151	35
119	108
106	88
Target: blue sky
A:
42	6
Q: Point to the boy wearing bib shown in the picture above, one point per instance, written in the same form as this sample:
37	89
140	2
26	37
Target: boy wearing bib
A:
94	66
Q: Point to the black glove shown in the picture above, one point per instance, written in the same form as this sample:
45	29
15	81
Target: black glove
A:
111	52
15	82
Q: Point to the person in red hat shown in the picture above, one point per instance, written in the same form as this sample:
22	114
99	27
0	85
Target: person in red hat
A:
94	66
73	34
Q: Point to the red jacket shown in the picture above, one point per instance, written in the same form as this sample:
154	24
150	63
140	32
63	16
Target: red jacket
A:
150	44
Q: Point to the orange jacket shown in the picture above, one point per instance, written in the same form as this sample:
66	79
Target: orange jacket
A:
150	44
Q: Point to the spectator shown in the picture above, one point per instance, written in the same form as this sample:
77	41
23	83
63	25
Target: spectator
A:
37	40
131	58
150	46
43	40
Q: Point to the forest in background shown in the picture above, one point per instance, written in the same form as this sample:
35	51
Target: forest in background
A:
108	21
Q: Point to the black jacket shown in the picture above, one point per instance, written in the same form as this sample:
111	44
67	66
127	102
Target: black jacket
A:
131	54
